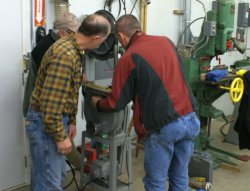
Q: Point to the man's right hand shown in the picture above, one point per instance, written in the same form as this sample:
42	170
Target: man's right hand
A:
64	147
94	100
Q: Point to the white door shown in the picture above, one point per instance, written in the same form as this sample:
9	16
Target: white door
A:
12	168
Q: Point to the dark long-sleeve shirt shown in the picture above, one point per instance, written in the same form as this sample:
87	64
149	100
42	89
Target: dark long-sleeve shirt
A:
242	126
36	55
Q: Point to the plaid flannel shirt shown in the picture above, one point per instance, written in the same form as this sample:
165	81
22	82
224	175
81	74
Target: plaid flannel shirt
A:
57	86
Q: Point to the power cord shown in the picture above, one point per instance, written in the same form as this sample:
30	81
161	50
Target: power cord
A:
83	188
133	6
108	3
178	42
73	178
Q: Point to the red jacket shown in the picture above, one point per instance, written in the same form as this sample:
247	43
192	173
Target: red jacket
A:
152	70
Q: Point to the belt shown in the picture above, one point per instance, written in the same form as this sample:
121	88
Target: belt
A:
35	107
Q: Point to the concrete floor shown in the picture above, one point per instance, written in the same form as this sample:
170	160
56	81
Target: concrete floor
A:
223	179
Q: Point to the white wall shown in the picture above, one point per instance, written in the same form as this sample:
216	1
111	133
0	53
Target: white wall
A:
162	21
12	134
82	7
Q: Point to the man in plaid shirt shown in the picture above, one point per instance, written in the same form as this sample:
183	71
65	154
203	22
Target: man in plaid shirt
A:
64	24
51	120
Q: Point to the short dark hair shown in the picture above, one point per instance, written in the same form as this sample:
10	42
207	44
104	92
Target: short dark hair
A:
95	24
128	24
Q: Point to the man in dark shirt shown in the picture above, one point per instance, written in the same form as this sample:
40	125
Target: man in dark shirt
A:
65	24
151	71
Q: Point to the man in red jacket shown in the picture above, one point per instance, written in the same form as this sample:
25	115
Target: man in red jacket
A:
151	70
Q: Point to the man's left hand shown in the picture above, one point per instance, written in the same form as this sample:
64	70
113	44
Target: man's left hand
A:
72	131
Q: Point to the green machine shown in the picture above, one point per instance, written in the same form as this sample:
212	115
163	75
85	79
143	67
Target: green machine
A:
215	39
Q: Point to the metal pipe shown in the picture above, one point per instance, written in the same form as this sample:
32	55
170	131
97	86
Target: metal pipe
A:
187	20
32	36
116	47
207	40
143	15
61	6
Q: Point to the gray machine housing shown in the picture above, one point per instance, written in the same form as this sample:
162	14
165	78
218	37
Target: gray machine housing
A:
101	123
100	169
105	128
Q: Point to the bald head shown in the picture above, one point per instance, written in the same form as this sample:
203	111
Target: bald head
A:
95	24
127	24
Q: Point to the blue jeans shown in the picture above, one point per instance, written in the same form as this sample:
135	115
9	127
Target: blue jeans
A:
48	167
167	154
